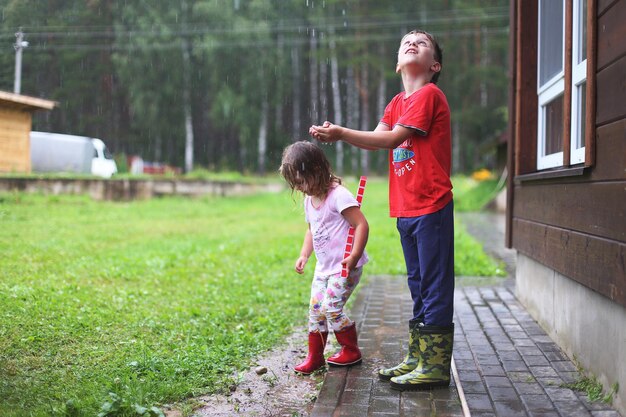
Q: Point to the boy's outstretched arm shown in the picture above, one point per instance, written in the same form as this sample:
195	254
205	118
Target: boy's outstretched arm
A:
305	252
355	217
380	138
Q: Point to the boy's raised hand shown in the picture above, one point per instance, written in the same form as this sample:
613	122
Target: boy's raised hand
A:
327	132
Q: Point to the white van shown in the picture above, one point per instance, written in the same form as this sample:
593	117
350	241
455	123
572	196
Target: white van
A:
57	152
102	163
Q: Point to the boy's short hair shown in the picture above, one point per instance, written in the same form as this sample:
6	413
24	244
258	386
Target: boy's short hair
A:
438	52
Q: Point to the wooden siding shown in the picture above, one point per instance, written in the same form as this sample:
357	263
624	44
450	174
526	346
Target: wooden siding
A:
14	140
594	208
611	89
597	263
611	34
605	4
576	225
610	140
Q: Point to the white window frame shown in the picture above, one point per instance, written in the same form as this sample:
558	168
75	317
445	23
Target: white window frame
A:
547	92
579	78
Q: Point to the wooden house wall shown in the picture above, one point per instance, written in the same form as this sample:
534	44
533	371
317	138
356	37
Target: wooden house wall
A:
576	225
15	126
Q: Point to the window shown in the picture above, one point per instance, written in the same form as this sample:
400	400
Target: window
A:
551	84
579	84
554	40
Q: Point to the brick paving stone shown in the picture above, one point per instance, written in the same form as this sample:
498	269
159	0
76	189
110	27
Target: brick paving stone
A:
515	376
543	414
502	393
605	413
526	351
514	366
351	398
491	360
445	409
497	381
509	355
492	370
543	371
561	394
479	402
358	384
564	366
569	377
352	411
529	388
510	408
385	404
548	381
538	360
572	408
537	403
556	356
504	347
474	387
469	376
380	389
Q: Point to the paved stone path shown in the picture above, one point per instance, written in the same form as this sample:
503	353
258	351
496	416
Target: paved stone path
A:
507	365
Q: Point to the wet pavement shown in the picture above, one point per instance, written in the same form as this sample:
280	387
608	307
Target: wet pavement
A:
505	363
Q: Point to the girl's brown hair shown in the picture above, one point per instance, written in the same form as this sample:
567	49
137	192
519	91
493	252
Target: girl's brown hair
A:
304	164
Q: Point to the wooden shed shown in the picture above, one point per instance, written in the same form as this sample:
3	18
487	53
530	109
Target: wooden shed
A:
16	112
566	211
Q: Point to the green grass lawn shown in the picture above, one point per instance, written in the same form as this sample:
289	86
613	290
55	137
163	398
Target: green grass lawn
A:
473	195
130	305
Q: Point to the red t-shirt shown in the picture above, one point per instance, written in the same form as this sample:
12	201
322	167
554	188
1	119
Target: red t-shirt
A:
419	172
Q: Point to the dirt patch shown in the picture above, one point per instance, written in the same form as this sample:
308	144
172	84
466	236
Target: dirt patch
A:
276	393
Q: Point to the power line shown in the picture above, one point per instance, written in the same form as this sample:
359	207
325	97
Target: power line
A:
214	43
282	26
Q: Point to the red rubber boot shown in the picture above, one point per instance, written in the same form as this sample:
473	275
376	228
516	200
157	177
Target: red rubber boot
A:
315	359
349	353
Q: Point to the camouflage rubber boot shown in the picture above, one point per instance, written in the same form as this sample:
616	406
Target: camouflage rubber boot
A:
433	369
411	359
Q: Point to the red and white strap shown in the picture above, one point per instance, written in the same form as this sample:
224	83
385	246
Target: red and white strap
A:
350	240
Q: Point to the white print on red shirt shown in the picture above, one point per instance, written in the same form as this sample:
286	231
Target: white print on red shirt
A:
403	160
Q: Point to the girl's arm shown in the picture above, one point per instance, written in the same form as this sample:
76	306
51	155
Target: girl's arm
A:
305	252
355	217
381	138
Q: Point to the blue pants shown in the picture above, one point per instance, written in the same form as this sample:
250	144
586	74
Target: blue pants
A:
428	246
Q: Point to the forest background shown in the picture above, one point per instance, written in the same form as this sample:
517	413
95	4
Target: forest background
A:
226	84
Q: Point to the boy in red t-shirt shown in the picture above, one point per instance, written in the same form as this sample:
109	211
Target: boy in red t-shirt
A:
416	129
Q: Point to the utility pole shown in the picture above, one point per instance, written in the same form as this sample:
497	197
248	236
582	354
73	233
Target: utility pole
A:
186	92
20	44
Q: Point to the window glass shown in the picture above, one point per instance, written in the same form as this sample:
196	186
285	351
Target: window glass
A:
550	40
554	126
582	111
582	32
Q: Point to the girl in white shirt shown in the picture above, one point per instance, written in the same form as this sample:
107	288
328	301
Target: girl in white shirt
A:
330	210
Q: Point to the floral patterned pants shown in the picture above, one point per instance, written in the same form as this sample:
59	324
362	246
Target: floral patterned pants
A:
328	296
